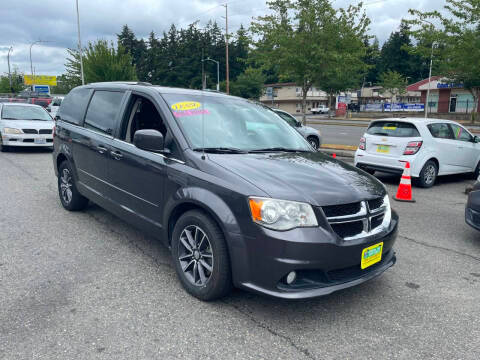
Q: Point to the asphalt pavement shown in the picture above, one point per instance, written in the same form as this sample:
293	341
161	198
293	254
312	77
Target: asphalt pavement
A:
88	286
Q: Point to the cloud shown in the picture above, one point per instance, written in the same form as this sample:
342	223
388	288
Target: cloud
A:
24	21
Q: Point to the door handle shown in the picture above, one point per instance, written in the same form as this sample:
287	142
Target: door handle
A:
101	149
117	155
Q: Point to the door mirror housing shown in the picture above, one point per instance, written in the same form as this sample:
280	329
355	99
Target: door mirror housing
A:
149	140
476	139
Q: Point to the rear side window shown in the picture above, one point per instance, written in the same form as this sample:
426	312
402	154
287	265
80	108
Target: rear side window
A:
393	128
440	131
73	106
103	110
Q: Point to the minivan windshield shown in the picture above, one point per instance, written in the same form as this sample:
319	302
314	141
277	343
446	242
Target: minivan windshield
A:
19	112
225	124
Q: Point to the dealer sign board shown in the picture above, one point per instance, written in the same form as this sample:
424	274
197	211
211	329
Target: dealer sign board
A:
40	80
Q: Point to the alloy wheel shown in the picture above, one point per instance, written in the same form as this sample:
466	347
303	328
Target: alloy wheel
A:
195	255
66	186
429	175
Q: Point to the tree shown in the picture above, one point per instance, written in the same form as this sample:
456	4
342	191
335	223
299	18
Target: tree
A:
136	48
101	62
248	85
372	59
458	42
310	42
17	82
393	83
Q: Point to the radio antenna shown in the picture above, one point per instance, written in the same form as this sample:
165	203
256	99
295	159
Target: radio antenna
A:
203	126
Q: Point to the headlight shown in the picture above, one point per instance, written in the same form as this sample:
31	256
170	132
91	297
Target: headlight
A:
281	214
12	131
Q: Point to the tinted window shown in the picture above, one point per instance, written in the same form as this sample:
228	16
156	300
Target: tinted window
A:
459	133
73	106
440	131
393	128
103	110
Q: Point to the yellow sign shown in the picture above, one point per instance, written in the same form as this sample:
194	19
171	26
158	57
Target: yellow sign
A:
371	255
40	80
186	105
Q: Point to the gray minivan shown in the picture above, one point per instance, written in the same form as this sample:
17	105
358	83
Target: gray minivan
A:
239	197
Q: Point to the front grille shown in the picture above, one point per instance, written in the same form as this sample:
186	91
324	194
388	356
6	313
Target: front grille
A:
346	230
375	203
45	131
341	210
376	221
30	131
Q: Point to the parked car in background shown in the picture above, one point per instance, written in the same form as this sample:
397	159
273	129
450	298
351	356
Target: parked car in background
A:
472	210
238	196
433	147
321	109
313	136
25	125
53	107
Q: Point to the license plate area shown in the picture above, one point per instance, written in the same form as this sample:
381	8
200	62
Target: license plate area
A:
371	255
40	141
384	149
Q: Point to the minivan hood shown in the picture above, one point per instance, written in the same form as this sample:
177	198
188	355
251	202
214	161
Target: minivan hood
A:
311	177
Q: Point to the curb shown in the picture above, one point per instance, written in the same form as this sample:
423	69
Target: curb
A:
339	147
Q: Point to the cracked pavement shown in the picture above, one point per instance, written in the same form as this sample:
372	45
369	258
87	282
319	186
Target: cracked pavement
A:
87	286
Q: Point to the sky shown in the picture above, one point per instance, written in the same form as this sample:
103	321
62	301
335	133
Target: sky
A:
54	22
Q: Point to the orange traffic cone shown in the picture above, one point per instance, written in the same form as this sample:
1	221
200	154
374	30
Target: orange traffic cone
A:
404	192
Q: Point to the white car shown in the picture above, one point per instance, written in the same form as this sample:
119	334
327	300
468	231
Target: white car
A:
322	109
53	107
432	146
25	125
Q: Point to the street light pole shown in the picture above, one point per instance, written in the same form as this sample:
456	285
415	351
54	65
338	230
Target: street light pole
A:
218	71
429	80
80	45
31	63
9	73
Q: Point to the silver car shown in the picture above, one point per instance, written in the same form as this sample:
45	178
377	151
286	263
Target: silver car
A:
313	136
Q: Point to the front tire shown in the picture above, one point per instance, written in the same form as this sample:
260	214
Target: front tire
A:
428	175
3	148
70	198
313	141
200	256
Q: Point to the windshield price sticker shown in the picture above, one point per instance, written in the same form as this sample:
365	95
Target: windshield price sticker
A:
186	105
389	128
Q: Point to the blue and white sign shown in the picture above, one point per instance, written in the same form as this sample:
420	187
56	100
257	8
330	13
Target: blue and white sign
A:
41	89
373	107
393	107
413	107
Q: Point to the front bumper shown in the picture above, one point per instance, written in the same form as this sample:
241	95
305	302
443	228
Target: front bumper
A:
472	210
324	263
41	140
388	164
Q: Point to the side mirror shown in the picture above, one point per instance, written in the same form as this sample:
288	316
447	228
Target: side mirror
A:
149	140
299	123
476	139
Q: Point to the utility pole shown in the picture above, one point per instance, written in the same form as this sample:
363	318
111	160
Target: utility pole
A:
80	45
227	75
203	73
9	73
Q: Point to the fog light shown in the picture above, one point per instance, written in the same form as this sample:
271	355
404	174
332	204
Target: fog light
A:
291	277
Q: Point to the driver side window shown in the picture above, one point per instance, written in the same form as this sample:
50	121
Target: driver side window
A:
142	115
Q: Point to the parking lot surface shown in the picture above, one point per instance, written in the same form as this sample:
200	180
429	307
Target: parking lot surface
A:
87	285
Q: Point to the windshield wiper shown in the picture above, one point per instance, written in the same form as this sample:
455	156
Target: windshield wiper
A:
221	150
277	149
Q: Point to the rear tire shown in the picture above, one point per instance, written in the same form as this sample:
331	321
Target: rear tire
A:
70	198
200	256
428	175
